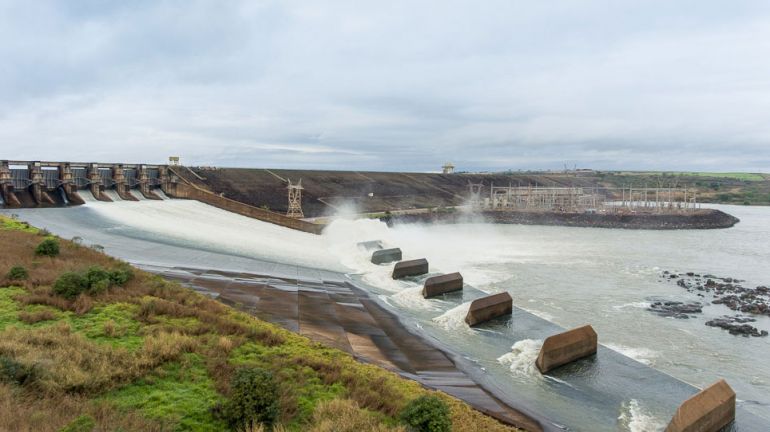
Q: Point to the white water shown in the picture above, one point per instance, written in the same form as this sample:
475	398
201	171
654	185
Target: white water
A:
635	419
521	359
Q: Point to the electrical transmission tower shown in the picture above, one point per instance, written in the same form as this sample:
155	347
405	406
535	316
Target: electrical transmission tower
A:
474	197
295	200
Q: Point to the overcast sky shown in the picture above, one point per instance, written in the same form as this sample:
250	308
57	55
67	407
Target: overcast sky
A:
389	85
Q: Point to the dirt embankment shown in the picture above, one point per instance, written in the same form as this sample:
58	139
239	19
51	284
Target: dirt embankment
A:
701	219
366	191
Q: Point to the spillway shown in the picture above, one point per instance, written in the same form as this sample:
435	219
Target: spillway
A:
558	277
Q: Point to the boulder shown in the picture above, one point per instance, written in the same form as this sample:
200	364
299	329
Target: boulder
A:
438	285
385	256
566	347
410	268
708	411
489	307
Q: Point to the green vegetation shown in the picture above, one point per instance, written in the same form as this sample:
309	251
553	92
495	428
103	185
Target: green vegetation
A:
427	414
253	399
7	223
722	188
17	273
48	247
88	343
95	280
729	175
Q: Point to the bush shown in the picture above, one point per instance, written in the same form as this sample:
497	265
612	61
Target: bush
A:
254	399
122	275
95	280
17	273
427	414
98	280
12	371
48	247
70	284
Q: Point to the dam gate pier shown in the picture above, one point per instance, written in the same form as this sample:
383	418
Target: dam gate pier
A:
51	184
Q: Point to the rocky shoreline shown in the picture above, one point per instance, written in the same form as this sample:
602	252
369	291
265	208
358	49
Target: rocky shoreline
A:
726	291
699	219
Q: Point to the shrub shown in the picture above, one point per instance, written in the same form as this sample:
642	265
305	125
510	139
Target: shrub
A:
427	414
12	371
254	399
96	274
98	280
17	273
121	275
69	285
48	247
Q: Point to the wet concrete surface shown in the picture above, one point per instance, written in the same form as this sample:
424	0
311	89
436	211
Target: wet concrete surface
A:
329	309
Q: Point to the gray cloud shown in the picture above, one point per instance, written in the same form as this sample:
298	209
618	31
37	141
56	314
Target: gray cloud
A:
389	85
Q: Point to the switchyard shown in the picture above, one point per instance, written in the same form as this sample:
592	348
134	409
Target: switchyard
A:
581	199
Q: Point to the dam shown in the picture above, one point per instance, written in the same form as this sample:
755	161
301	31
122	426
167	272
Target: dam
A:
56	184
41	184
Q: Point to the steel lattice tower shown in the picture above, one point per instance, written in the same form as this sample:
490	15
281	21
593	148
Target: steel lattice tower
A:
295	200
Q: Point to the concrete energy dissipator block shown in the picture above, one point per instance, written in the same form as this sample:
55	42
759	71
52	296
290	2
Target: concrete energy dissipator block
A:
410	268
489	307
438	285
566	347
708	411
385	256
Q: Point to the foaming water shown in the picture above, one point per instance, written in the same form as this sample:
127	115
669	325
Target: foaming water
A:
521	359
454	319
635	419
642	355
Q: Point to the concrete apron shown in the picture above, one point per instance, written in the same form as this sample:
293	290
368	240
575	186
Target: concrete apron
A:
338	314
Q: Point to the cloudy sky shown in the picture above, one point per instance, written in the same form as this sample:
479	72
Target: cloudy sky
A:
389	85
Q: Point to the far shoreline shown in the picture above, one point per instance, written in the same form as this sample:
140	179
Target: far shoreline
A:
698	219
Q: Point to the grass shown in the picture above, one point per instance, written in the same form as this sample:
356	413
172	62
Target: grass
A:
180	394
724	175
155	356
7	223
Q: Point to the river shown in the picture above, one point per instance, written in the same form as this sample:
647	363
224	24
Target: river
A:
568	276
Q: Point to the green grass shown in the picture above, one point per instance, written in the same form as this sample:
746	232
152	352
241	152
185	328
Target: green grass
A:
7	223
9	308
312	390
726	175
180	393
120	316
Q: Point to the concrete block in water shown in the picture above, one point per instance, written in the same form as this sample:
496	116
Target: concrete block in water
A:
410	268
489	307
370	245
385	256
567	347
708	411
438	285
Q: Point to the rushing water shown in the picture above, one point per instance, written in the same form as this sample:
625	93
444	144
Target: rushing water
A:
569	276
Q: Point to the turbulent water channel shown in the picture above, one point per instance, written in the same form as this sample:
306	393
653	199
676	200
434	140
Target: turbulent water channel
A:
568	276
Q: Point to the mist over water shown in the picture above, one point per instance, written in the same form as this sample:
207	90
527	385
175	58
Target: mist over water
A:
570	276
